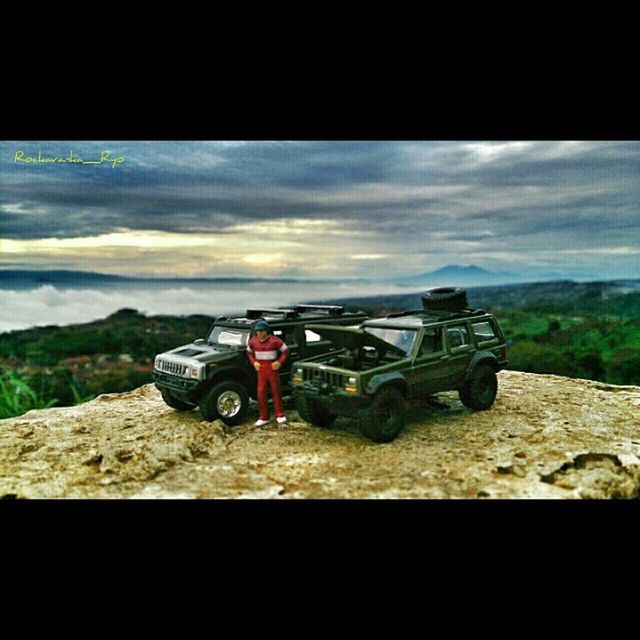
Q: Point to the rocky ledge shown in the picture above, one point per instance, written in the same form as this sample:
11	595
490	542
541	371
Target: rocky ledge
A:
545	437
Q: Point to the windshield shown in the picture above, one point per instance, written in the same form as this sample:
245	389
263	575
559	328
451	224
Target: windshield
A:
401	338
228	336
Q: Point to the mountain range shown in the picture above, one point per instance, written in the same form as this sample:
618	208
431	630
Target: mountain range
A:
456	275
451	275
31	278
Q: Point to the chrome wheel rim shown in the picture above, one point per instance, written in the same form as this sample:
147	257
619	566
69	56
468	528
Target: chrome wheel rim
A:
229	404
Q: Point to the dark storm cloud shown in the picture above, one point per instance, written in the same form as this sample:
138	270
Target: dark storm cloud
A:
403	191
556	171
179	181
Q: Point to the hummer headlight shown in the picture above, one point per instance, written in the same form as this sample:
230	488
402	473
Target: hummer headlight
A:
352	385
194	371
298	376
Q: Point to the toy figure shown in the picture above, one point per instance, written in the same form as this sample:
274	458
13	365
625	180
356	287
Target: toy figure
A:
262	351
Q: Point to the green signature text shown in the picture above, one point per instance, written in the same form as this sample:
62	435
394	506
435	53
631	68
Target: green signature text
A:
106	157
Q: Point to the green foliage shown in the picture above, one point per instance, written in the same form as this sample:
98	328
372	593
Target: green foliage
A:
17	397
584	330
78	398
43	349
22	392
132	333
624	367
571	329
57	384
117	381
554	326
595	347
38	353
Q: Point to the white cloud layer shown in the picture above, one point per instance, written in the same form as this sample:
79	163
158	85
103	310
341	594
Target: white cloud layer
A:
50	305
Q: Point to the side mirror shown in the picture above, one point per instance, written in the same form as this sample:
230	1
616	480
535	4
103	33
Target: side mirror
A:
200	341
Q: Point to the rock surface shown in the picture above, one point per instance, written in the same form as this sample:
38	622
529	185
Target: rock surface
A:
545	437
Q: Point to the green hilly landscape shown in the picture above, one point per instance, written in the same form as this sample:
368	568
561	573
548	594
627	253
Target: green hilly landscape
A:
583	330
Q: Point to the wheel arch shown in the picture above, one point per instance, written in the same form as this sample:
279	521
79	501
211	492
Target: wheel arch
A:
385	380
225	374
482	357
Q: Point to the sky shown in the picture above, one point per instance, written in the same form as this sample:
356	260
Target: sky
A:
322	209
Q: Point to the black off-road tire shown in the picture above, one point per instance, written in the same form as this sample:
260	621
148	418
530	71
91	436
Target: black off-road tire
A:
312	412
444	299
227	401
174	403
479	392
384	418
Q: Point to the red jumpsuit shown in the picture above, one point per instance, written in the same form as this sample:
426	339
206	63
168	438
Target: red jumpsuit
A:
267	352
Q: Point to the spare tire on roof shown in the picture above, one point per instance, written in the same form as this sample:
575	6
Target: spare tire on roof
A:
444	299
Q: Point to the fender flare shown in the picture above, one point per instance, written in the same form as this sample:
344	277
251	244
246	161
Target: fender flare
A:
383	379
478	358
239	374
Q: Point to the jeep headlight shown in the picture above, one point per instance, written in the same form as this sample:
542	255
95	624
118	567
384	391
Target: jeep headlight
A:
298	376
352	385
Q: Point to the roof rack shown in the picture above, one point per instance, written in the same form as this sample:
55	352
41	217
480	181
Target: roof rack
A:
330	309
438	313
461	313
411	312
285	313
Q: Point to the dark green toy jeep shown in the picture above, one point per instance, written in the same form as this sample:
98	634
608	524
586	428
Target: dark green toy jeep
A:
444	346
214	373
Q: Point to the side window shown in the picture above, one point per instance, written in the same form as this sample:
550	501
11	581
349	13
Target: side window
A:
483	331
290	338
431	341
311	336
458	336
288	335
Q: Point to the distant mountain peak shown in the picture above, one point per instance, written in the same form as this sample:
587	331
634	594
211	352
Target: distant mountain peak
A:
460	270
457	269
456	274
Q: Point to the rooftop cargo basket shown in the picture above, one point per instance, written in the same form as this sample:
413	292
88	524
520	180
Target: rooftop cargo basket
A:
329	309
254	314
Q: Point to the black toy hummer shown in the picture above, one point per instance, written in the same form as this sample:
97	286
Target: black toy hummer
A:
214	373
443	346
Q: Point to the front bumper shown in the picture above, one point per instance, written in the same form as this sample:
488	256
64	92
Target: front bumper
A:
336	403
175	383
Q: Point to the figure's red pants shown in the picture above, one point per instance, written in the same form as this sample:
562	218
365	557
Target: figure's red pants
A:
267	375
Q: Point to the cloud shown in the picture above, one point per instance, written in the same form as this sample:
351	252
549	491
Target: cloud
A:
50	305
316	204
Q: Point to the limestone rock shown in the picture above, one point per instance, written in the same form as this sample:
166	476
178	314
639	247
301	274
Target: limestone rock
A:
545	437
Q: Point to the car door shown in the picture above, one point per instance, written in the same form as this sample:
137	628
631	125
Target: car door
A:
460	350
430	368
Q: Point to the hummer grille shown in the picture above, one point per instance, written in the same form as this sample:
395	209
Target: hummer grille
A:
171	367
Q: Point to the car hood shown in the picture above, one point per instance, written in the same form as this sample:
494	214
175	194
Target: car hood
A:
353	338
201	353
